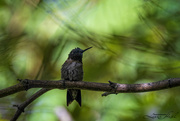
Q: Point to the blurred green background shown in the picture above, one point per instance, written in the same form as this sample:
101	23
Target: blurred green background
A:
134	41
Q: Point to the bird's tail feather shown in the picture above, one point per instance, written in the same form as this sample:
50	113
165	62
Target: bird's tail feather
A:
70	98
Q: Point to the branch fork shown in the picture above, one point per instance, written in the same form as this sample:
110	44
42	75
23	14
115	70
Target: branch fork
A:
114	87
25	83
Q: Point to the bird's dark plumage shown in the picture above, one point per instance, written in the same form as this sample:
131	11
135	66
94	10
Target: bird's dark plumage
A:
72	70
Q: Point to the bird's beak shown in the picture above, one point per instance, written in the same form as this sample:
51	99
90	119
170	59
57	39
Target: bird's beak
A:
86	49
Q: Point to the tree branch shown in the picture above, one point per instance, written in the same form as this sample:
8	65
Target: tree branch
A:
119	88
20	108
111	88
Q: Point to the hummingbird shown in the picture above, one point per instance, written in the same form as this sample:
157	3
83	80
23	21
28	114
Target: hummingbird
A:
72	70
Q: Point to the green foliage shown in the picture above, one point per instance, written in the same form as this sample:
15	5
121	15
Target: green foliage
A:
133	42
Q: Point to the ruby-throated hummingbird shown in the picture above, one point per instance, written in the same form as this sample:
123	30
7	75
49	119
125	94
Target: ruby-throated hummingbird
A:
72	70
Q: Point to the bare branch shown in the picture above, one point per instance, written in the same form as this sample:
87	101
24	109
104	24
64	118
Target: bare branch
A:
20	108
120	88
111	88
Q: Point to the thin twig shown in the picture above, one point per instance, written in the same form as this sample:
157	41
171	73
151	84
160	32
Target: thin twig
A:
21	107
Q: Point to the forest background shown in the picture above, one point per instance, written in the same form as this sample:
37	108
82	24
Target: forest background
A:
134	41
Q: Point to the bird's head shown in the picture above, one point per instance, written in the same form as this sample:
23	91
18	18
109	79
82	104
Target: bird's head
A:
77	54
